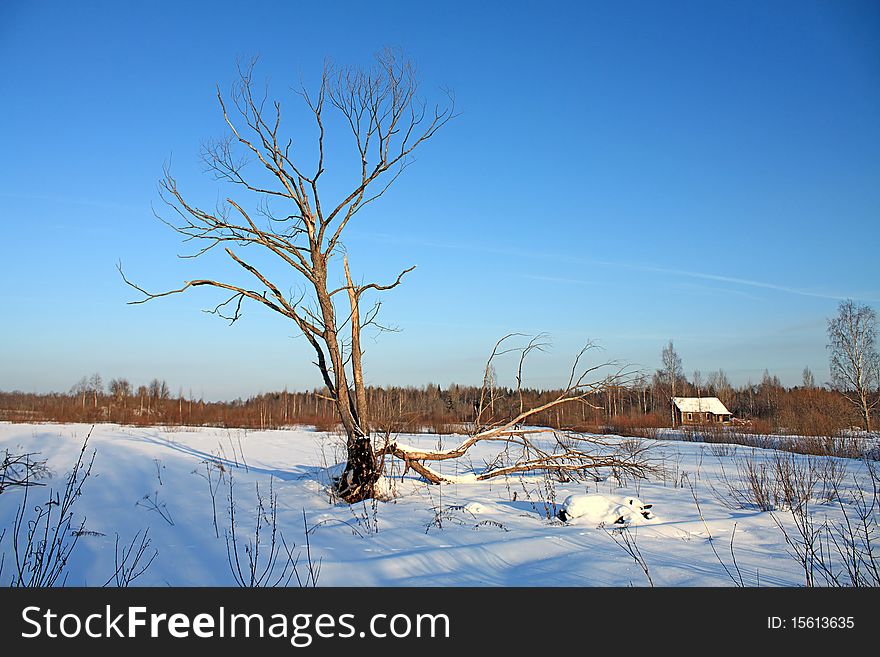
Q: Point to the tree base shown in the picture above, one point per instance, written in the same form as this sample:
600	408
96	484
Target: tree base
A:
358	480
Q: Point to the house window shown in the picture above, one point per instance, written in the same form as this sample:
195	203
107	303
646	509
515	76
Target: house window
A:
708	416
690	416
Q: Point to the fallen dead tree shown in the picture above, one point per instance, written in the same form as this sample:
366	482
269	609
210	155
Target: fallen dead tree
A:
568	454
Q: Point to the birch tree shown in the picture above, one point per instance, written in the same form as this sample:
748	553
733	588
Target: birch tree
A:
672	372
854	362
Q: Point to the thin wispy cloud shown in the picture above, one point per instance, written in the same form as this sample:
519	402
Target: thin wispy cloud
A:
561	258
713	290
743	281
556	279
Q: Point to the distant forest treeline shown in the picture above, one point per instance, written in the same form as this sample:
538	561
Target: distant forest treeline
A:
766	407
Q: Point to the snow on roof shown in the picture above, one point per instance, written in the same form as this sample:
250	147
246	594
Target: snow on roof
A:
700	405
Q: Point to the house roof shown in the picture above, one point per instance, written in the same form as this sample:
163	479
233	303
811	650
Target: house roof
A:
701	405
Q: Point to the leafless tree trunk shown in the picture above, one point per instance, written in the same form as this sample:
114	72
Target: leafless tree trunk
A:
292	223
96	386
855	365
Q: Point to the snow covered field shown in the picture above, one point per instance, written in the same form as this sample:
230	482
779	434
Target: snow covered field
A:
501	532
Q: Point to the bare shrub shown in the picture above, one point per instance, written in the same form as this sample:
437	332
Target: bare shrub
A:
841	553
722	450
459	514
759	487
832	471
805	544
738	579
855	537
129	560
267	561
153	504
640	426
757	427
324	423
535	496
42	544
796	479
20	470
366	515
753	486
700	433
846	446
780	481
213	475
626	540
547	492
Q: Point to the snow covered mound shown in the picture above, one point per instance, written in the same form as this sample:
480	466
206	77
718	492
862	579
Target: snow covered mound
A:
601	509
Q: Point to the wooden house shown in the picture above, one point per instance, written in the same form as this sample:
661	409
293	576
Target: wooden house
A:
700	410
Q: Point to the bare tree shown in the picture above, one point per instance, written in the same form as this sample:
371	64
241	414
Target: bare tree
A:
120	389
721	388
855	364
671	373
96	384
158	389
807	379
294	223
143	395
89	386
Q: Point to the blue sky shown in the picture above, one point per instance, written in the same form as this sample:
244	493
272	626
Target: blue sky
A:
629	173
